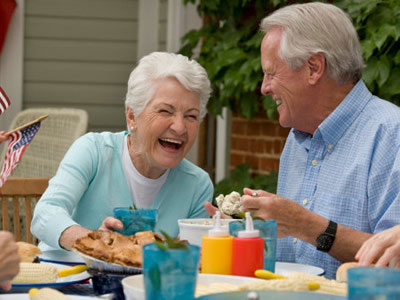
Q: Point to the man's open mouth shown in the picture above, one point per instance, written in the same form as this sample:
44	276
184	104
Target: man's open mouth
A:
170	143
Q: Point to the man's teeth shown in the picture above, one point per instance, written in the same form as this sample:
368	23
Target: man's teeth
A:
278	102
172	141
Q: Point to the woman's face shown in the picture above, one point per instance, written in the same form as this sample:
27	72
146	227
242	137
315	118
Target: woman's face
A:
167	127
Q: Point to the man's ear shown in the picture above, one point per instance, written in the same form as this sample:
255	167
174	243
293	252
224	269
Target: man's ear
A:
316	67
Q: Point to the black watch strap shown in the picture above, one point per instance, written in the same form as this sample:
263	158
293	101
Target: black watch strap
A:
325	240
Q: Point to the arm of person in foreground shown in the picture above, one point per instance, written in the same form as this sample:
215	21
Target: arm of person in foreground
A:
52	222
9	259
297	221
383	247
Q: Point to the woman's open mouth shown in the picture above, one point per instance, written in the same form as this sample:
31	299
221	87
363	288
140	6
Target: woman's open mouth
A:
170	143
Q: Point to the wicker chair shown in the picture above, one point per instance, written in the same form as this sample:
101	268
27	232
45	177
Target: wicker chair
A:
18	198
55	136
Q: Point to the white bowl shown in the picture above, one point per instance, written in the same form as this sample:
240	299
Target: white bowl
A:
193	230
134	286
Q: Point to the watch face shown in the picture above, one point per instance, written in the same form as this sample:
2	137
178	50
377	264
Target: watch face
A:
324	242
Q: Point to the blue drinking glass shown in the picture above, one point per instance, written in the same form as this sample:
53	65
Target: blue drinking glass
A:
135	220
268	229
369	283
170	273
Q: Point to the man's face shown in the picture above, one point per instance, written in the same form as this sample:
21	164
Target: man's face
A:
287	87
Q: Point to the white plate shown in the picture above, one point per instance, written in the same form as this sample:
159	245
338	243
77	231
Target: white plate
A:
97	264
26	297
284	268
61	281
134	287
61	257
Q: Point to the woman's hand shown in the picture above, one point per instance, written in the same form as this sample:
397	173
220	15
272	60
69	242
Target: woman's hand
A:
9	259
111	223
211	209
383	247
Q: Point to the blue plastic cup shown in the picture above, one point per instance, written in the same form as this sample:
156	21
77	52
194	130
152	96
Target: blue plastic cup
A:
371	283
268	229
171	273
135	220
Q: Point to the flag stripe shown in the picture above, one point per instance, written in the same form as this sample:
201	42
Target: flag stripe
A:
4	101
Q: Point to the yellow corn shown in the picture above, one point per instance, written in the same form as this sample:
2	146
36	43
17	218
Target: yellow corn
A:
48	294
36	273
71	271
313	286
33	292
264	274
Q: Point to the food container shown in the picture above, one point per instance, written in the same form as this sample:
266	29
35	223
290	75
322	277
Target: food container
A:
193	230
278	295
134	285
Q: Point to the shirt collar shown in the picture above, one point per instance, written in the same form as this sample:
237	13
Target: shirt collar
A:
336	124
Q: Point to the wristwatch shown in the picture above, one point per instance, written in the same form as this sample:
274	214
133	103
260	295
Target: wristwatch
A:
325	240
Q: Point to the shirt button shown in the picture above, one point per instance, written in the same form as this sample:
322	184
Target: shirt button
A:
330	146
294	240
314	162
305	201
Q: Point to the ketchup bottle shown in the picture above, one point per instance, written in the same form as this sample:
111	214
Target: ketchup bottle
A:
216	252
248	250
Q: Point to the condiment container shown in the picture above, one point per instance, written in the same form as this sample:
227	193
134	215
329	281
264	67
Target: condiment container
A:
216	253
248	250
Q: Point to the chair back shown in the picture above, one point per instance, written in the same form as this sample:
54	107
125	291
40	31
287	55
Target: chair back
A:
56	134
18	199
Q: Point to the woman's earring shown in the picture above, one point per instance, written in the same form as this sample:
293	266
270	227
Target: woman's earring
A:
132	128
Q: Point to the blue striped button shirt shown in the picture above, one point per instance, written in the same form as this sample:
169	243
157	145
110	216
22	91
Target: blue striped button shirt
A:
348	171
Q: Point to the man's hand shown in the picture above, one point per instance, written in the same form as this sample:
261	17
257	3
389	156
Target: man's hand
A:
288	214
383	247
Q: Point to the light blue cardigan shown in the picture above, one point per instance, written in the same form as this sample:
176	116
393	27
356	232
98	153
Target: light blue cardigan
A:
90	182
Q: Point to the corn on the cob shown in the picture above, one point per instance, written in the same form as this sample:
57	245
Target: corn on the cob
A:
326	286
47	294
276	285
216	287
36	273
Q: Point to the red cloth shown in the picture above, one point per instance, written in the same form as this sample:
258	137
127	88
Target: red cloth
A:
7	8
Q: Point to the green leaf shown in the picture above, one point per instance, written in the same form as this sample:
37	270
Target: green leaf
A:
172	243
371	71
383	70
383	33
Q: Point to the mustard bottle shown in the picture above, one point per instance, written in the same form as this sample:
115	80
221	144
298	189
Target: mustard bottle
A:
216	252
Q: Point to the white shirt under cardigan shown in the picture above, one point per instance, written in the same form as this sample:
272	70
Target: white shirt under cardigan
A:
143	190
90	182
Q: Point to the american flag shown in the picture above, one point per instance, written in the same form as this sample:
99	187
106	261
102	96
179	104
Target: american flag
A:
17	143
4	101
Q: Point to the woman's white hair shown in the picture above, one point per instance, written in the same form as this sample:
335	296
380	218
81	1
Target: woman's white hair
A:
318	27
156	66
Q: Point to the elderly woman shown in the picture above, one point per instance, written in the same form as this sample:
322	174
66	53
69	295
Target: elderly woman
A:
165	103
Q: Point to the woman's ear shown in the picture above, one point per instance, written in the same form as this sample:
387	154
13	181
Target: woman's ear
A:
130	117
316	67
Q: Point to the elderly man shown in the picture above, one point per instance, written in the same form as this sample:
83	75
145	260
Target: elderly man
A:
339	177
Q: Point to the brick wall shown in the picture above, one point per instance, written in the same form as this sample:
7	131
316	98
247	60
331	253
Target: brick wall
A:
258	141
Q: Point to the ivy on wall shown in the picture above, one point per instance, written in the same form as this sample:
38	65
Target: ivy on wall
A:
230	43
